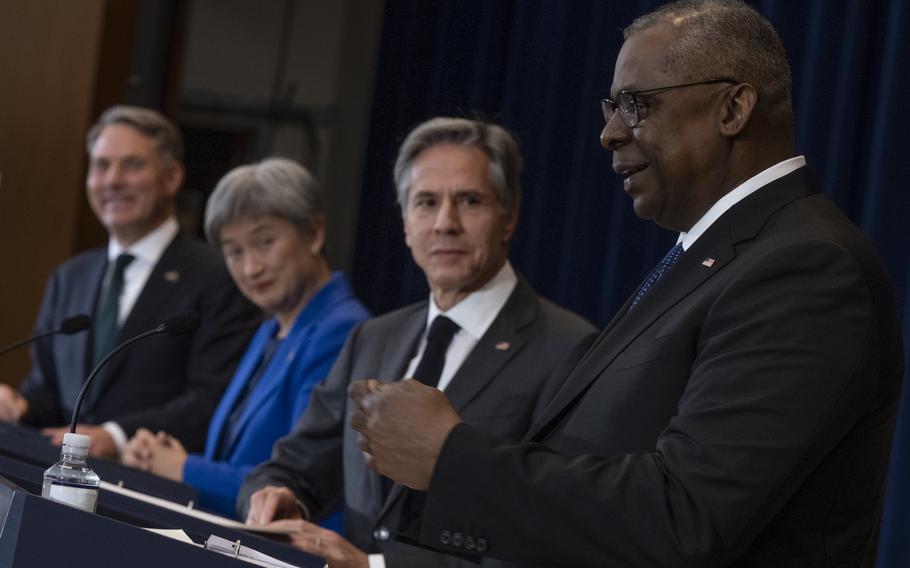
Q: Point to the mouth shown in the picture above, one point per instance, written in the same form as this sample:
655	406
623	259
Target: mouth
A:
446	253
116	200
628	170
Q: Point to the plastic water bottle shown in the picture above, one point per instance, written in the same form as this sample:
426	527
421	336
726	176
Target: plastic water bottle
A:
71	480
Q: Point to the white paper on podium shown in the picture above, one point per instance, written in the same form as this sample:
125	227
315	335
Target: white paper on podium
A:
189	511
175	534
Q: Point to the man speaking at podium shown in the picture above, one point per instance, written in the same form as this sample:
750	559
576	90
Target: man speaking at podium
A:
147	271
738	410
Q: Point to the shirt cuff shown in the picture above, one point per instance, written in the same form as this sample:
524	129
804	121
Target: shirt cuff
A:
376	560
117	434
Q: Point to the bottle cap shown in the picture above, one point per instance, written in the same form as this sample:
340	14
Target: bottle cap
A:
80	441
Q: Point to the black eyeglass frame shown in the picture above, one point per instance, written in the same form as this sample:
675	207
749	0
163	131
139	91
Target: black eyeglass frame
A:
609	106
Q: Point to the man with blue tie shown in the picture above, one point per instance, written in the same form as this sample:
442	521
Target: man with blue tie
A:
738	410
147	271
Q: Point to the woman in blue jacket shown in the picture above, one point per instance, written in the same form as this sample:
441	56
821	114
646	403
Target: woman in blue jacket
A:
268	221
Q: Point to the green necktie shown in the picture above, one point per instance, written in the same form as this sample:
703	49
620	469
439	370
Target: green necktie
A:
104	329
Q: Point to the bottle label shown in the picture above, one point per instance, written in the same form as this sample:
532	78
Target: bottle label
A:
81	497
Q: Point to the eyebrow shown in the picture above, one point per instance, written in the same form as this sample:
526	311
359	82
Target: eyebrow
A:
252	232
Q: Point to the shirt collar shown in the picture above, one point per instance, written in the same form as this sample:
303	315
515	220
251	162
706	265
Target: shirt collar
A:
150	247
476	313
739	193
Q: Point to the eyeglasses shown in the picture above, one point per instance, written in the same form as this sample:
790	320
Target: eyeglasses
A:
632	110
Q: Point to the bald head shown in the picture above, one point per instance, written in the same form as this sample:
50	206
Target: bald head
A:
727	38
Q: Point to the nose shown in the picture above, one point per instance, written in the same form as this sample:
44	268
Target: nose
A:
615	133
252	264
113	175
447	219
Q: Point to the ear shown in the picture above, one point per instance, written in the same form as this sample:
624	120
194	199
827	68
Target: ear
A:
738	106
173	177
318	236
510	221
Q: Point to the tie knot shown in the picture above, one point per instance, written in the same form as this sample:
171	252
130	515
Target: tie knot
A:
122	261
441	330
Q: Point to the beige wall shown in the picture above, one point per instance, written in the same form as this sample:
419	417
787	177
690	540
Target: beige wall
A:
48	59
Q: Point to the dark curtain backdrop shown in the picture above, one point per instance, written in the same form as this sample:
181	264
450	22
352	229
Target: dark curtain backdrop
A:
540	68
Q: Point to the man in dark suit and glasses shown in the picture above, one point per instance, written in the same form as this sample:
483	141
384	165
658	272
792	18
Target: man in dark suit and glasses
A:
738	410
484	338
147	271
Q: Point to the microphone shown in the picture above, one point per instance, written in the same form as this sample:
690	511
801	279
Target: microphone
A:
69	326
174	325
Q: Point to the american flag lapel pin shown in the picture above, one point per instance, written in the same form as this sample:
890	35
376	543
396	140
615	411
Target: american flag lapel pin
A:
708	262
172	276
502	346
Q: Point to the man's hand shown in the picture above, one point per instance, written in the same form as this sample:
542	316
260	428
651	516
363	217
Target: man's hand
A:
329	545
138	450
271	503
402	428
12	404
161	454
103	445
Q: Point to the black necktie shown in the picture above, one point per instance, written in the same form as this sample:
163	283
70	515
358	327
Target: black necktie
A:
664	265
104	328
434	354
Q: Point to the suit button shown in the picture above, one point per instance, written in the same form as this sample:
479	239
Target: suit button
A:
481	545
469	543
445	537
381	534
457	539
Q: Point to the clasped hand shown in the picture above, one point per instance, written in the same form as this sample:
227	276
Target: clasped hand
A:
161	454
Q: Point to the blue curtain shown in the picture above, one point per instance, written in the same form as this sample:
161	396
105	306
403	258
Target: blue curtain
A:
540	68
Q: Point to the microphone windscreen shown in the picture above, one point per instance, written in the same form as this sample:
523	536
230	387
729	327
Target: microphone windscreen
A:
180	323
75	324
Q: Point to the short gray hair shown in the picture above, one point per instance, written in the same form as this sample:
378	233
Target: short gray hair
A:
495	141
726	38
274	187
151	123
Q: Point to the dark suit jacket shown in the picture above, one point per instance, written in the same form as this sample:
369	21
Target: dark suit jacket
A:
497	390
162	383
741	415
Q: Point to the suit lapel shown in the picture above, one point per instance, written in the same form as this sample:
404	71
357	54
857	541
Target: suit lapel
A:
685	277
498	346
245	370
713	251
397	354
85	304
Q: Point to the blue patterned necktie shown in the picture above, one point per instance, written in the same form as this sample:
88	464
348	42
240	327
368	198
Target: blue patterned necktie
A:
665	263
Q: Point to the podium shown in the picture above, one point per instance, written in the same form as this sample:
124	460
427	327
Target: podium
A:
34	532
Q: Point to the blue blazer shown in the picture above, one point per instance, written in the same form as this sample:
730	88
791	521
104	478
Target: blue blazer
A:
302	361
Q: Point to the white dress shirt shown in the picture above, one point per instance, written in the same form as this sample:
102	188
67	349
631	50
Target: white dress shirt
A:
147	252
